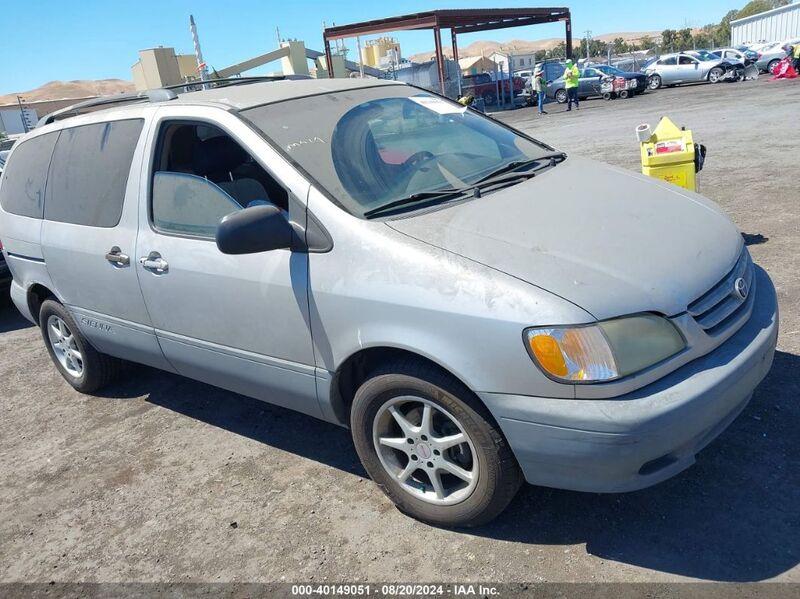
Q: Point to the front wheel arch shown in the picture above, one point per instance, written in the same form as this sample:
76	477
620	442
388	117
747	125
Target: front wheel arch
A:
358	367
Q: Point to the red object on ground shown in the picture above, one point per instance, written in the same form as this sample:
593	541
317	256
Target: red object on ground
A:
784	70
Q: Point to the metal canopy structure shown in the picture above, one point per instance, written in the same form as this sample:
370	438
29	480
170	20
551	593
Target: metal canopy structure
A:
457	21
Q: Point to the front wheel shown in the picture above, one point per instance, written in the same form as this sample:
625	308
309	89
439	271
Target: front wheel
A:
715	75
654	82
432	447
82	366
561	96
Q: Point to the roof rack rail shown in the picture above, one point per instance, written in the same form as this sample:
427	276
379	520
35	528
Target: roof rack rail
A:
153	95
162	94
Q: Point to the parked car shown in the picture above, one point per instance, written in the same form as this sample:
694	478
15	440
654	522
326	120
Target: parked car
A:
674	69
5	273
769	56
641	78
590	81
744	56
3	155
483	86
476	306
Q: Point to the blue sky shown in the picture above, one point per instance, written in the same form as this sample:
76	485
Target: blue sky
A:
94	39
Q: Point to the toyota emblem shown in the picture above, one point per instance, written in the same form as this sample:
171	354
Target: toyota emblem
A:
740	288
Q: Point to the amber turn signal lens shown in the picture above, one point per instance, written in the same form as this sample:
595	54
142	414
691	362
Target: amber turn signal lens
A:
548	353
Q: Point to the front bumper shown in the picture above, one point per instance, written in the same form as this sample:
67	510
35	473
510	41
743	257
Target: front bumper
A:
644	437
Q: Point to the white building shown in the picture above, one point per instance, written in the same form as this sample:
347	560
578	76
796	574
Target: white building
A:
773	25
514	61
14	120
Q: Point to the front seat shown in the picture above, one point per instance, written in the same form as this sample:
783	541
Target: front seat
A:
216	159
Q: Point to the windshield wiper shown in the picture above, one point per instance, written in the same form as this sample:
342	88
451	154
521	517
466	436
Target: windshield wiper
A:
547	160
474	188
440	194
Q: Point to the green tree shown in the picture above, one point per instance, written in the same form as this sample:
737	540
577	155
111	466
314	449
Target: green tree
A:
668	39
683	39
620	46
646	42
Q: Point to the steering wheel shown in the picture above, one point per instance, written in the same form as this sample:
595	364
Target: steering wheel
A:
415	161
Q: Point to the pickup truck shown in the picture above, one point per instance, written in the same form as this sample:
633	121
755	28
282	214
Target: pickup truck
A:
483	86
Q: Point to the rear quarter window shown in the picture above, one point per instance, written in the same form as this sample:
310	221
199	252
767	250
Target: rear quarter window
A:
23	189
89	173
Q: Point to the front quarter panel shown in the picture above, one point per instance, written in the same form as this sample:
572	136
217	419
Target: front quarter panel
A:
381	288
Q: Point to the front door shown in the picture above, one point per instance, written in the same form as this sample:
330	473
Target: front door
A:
237	322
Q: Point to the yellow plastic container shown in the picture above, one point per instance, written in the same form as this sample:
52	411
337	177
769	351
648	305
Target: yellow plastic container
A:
669	155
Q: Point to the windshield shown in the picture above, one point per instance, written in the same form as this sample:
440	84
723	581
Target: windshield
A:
369	147
610	70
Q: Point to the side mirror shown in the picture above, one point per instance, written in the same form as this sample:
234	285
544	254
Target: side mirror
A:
253	230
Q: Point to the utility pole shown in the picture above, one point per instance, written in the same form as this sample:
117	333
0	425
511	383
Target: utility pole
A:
22	116
588	39
202	69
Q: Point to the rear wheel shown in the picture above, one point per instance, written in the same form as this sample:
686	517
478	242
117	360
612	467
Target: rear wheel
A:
489	99
624	94
772	65
607	96
561	96
654	81
432	447
82	366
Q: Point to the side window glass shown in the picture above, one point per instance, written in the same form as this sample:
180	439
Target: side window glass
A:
89	173
23	188
188	204
200	174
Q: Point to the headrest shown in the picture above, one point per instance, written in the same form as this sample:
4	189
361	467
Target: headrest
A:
217	155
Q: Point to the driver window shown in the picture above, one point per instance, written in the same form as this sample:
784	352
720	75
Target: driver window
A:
687	60
200	174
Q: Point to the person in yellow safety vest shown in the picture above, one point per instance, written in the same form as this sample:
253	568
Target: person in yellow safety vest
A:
796	57
571	76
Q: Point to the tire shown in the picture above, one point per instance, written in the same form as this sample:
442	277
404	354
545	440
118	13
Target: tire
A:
607	96
485	454
715	75
654	82
624	94
771	66
561	96
489	99
96	370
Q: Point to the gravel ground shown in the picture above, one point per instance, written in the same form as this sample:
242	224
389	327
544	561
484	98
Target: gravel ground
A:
166	479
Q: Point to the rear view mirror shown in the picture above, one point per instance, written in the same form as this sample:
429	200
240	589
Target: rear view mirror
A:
253	230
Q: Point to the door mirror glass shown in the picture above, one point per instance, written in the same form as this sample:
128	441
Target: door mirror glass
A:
252	230
188	204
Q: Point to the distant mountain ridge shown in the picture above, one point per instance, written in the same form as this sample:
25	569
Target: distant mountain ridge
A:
487	47
62	90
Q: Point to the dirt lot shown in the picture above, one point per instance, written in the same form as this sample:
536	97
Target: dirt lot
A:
166	479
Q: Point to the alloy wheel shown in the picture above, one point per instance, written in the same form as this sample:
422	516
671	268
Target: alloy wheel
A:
64	346
426	450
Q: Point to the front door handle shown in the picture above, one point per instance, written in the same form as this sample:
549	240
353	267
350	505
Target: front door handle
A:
154	262
116	257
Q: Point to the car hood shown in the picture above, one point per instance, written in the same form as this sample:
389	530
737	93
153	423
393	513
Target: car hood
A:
609	240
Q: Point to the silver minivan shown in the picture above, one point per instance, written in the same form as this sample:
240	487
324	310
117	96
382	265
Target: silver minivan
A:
477	307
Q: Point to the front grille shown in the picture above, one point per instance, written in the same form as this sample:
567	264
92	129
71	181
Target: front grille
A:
721	304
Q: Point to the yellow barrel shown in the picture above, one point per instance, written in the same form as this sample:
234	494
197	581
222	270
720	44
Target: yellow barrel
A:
669	154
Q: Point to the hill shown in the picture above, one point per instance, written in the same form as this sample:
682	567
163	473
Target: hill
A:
61	90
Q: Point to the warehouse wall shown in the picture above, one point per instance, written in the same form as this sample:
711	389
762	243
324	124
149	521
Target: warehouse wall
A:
770	26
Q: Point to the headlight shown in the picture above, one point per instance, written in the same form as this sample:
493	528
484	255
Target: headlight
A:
604	351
